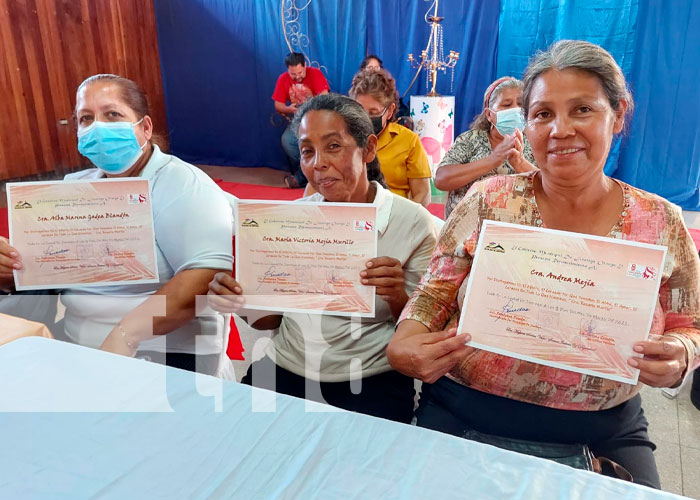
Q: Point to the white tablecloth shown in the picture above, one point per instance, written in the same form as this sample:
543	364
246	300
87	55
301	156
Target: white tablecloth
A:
105	426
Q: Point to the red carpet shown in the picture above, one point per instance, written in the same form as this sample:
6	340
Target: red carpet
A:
255	192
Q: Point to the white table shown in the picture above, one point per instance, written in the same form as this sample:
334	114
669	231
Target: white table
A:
105	426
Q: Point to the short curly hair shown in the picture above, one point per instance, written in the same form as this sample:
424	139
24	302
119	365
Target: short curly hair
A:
378	84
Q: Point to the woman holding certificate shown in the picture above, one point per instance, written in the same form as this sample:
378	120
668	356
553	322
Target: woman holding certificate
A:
156	320
338	156
575	99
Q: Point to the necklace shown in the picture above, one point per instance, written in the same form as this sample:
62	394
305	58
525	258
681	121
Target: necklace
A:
537	217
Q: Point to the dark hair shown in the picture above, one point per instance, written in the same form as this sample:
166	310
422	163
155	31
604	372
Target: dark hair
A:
129	92
584	56
294	59
356	119
379	85
367	59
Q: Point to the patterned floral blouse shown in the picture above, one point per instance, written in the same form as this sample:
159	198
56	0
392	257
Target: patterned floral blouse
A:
645	218
471	146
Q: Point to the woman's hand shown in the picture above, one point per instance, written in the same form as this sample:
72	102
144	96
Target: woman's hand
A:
225	294
664	363
10	260
386	273
427	355
515	156
504	149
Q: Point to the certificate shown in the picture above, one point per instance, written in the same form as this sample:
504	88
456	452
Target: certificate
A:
82	233
561	299
305	256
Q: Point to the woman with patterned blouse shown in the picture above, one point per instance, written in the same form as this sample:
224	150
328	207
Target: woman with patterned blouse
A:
575	99
493	145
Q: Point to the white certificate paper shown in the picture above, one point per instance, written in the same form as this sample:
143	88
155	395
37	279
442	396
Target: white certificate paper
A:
82	233
305	256
568	300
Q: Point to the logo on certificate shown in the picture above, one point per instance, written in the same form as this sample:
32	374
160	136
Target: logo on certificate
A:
249	223
22	204
136	198
641	271
494	247
363	225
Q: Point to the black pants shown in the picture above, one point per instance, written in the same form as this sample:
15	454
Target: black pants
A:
388	395
695	389
619	433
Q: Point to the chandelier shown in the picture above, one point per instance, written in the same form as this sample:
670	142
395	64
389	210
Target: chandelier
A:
432	59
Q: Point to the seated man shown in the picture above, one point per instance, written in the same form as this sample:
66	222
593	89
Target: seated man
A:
295	86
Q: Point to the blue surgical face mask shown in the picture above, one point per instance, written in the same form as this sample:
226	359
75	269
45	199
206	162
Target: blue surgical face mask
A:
510	119
111	146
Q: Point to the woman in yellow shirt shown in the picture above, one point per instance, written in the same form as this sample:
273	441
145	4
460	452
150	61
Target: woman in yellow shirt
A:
401	155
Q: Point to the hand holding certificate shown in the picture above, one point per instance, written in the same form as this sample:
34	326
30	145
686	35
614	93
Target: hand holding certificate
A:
82	233
567	300
305	257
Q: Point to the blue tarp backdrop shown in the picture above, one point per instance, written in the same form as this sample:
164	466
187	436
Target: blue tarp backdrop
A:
657	45
662	152
220	60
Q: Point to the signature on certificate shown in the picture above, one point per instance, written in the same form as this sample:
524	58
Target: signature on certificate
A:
510	307
55	251
588	327
50	251
272	272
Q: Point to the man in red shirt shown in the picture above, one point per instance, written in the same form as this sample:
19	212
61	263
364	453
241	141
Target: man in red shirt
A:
295	86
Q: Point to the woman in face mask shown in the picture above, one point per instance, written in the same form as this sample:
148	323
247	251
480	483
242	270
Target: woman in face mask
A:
401	155
152	321
493	145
